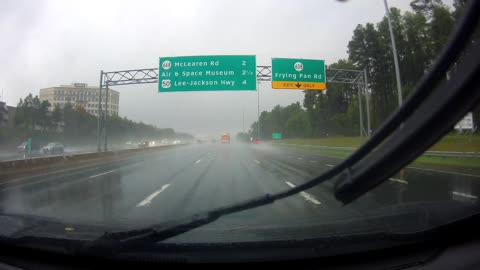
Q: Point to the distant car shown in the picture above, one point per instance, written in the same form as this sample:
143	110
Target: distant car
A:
258	141
53	148
176	142
21	147
143	144
164	141
225	138
129	143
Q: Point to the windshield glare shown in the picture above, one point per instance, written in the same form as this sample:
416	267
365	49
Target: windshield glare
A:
131	119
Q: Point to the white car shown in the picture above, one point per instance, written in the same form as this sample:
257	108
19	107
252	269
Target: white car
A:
53	148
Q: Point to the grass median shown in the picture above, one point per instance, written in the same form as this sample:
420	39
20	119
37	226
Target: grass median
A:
450	143
455	143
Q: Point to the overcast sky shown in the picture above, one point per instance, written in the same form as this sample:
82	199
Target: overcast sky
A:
49	43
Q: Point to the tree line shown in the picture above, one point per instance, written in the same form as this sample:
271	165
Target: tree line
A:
74	125
420	35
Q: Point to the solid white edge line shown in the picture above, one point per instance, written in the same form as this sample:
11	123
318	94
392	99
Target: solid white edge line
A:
438	171
148	200
100	174
305	195
299	158
198	161
329	165
398	180
256	161
290	184
464	195
313	161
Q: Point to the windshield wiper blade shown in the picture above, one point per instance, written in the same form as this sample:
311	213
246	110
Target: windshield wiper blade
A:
170	229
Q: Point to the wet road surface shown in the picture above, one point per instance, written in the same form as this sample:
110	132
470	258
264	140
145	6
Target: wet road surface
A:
181	181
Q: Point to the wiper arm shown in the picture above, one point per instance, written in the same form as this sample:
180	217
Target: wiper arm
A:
357	177
167	230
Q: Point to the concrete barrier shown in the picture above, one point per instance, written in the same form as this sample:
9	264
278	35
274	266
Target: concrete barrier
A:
21	167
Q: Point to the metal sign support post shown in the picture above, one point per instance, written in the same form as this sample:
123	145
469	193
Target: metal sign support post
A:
106	118
99	114
264	73
258	110
362	130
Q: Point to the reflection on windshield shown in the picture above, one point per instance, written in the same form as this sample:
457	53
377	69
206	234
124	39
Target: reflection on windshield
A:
157	128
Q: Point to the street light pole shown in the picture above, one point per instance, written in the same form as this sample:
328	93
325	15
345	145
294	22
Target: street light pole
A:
395	56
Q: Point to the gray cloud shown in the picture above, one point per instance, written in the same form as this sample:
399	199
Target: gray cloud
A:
48	43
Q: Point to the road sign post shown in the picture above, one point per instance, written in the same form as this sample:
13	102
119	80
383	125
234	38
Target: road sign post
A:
301	74
29	146
207	73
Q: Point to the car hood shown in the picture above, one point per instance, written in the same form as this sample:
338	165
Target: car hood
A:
239	227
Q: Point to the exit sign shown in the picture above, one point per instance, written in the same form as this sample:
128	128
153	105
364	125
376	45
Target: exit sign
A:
301	74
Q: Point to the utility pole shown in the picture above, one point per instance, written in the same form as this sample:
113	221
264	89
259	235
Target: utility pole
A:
395	56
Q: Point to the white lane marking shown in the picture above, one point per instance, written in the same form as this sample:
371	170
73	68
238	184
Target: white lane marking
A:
398	180
305	195
198	161
258	162
464	195
149	199
313	161
100	174
299	158
328	156
329	165
462	174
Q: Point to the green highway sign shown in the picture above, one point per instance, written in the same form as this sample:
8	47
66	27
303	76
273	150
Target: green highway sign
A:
207	73
304	74
276	136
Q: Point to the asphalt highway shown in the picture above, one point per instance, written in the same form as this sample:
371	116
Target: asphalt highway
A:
184	180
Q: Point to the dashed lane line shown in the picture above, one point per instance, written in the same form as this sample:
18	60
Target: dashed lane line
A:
305	195
148	200
100	174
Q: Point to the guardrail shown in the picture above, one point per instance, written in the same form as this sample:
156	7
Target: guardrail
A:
426	153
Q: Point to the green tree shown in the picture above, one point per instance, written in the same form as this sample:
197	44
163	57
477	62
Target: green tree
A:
242	137
441	26
44	116
298	125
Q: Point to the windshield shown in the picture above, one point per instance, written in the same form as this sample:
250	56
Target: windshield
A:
185	106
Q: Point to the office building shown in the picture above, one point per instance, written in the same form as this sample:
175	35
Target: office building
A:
80	94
